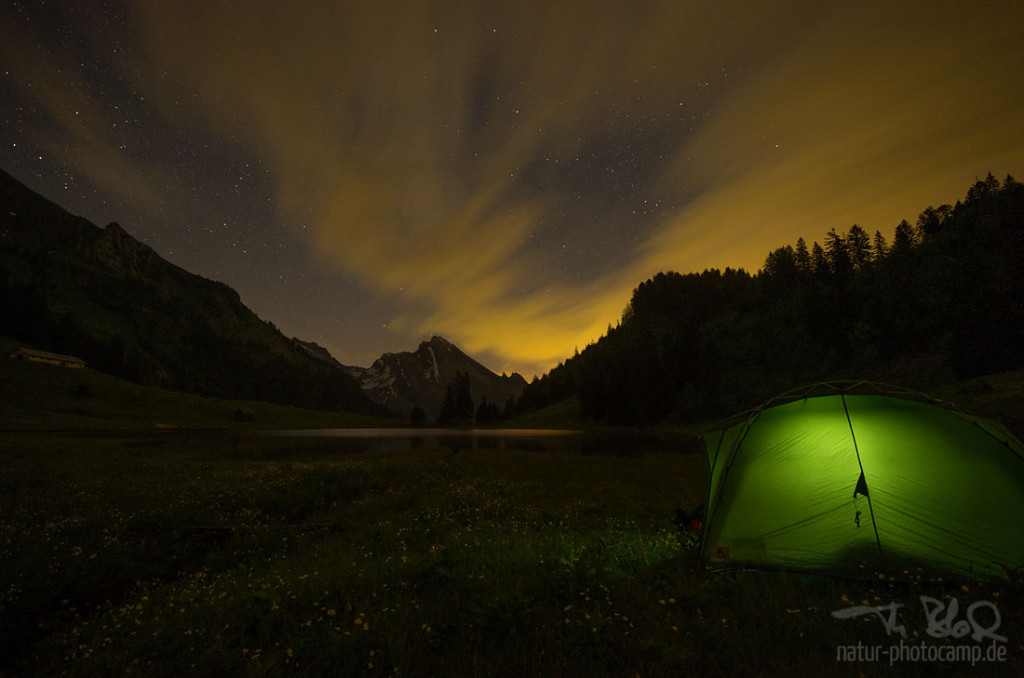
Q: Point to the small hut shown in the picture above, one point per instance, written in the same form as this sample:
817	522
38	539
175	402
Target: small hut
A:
33	356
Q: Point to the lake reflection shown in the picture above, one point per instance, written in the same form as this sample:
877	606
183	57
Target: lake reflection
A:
603	442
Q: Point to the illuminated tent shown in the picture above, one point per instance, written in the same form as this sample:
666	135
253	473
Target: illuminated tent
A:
839	475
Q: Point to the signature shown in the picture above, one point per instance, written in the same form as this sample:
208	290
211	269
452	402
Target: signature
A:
939	625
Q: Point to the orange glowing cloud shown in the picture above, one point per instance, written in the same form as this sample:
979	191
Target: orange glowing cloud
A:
505	175
849	126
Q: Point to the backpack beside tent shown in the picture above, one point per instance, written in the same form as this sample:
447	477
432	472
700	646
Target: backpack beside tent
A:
839	475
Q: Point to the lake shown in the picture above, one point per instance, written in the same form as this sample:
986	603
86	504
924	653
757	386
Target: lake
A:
615	442
604	442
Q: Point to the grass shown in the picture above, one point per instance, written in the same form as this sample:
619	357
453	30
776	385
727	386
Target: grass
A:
562	414
137	553
40	397
264	556
1001	393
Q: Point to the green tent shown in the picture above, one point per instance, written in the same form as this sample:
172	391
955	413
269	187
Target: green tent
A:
839	475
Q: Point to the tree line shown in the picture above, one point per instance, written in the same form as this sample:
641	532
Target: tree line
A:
458	408
944	299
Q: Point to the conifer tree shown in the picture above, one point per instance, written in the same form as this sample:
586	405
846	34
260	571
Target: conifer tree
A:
982	188
447	415
880	248
903	240
837	253
463	398
858	246
802	257
818	261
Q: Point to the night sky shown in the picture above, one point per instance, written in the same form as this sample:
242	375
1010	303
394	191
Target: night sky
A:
367	174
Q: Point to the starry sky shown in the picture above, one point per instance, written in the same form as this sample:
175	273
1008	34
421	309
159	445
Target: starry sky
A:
367	174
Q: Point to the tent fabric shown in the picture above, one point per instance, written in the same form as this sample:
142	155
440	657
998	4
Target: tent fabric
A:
844	478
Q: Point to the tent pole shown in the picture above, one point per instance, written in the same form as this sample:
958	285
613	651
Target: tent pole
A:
712	502
871	510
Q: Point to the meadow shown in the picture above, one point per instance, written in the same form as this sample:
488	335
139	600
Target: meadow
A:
235	555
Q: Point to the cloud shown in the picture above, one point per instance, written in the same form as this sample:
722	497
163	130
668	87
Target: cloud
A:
486	160
506	173
867	119
72	124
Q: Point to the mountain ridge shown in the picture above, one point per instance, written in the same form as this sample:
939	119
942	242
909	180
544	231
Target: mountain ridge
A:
421	378
73	287
70	286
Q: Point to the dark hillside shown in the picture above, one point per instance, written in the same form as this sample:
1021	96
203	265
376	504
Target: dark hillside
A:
102	295
943	301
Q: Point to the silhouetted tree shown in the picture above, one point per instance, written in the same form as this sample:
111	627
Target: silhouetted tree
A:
457	407
487	412
837	253
930	221
447	415
802	257
982	188
818	261
463	398
417	415
880	248
903	240
780	269
858	246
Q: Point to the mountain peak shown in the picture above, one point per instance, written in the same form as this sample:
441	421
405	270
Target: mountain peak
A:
113	229
117	248
402	381
318	352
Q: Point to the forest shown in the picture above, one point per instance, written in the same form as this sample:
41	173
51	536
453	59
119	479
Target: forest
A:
943	300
